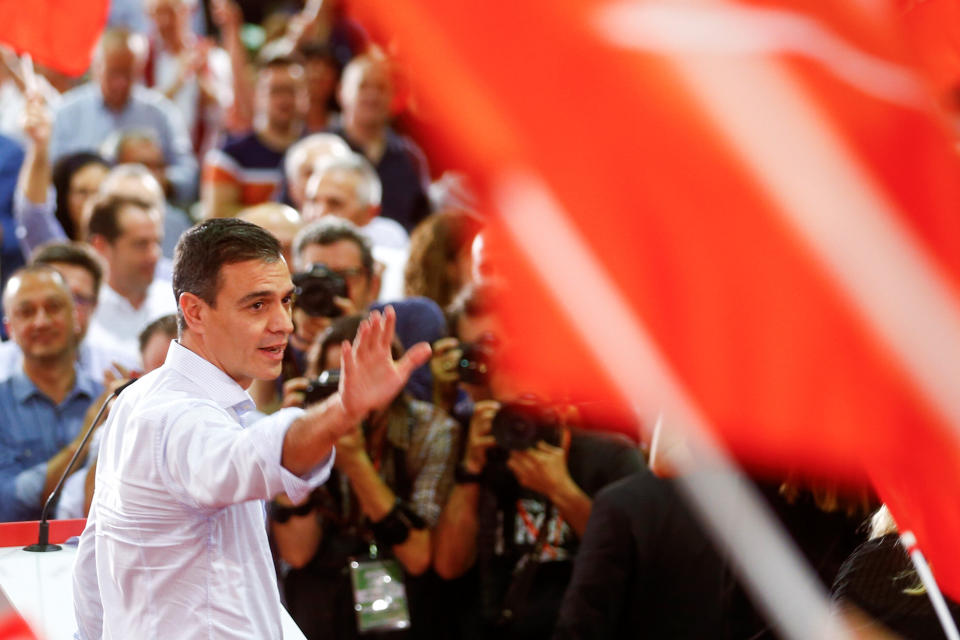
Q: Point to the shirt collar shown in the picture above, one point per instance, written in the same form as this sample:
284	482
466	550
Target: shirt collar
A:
220	387
23	387
103	105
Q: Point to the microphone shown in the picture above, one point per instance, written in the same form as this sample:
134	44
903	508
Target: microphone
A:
43	539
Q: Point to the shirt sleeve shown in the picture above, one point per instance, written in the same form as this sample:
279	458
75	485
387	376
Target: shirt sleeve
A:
20	491
435	478
36	223
209	461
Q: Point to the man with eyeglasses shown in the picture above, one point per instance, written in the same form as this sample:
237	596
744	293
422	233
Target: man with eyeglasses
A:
80	269
43	404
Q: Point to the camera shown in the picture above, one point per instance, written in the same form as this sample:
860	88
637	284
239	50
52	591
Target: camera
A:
473	367
321	387
316	289
519	426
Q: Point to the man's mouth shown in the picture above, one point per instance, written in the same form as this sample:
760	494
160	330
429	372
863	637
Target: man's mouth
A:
276	349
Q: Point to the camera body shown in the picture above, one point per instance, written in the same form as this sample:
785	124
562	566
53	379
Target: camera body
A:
519	426
474	364
321	387
316	289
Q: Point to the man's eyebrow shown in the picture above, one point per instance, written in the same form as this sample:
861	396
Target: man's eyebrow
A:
256	295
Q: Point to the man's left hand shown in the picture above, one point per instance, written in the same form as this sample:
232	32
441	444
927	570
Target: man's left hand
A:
542	468
369	377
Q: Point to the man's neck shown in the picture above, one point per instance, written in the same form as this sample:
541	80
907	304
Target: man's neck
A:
279	138
371	137
54	376
176	44
136	297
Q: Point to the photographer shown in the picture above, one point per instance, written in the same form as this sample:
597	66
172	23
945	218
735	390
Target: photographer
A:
521	502
392	476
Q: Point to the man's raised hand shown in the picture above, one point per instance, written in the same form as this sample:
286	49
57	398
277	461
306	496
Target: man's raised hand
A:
369	377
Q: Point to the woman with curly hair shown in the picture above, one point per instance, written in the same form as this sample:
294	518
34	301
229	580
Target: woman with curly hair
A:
439	262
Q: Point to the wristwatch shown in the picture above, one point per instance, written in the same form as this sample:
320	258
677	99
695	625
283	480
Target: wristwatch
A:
462	476
395	527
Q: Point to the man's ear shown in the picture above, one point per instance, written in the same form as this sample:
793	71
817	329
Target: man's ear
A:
371	213
194	311
99	243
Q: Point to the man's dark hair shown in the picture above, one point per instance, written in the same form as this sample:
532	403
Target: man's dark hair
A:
164	324
105	218
330	230
75	253
203	249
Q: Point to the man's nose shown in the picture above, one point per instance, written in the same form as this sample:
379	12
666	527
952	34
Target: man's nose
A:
282	320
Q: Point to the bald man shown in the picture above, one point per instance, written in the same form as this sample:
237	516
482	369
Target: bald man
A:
114	100
43	403
281	221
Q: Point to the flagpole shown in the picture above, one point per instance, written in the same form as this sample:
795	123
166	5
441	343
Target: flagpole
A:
930	584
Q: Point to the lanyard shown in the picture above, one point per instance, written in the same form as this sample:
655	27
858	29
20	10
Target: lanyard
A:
550	546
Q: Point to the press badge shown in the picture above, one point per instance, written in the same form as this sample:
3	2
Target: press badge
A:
379	595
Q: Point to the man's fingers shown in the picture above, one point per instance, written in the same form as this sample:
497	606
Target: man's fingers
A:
389	325
347	367
444	344
295	384
360	346
415	357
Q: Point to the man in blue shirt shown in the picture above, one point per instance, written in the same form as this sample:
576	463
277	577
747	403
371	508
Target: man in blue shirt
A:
44	403
114	101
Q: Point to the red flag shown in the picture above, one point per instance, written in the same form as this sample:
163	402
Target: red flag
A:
745	209
59	34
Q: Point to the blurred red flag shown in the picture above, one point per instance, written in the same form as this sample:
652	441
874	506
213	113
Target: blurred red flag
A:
750	206
933	27
59	34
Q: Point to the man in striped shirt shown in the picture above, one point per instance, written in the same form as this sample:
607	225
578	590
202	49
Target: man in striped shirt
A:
248	170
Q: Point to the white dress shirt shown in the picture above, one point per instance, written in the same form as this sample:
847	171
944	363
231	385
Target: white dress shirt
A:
176	544
118	322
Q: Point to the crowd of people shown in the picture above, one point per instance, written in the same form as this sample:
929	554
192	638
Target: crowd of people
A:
456	505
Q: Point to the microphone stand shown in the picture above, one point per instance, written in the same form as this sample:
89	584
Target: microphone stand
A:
43	539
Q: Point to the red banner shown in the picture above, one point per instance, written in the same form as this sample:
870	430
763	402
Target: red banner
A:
59	34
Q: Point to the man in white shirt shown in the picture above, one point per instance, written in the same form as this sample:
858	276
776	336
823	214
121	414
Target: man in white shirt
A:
127	233
175	543
346	186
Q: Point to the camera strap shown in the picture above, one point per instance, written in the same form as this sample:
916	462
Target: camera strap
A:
526	568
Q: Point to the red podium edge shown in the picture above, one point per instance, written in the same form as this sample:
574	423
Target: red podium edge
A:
20	534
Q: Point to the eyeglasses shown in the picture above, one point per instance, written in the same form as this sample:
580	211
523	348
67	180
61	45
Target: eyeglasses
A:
81	300
27	312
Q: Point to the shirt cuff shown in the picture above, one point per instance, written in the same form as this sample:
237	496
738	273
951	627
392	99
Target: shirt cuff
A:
270	448
29	486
